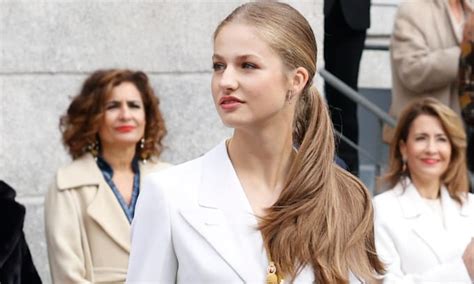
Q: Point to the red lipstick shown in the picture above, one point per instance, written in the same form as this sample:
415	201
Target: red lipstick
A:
125	128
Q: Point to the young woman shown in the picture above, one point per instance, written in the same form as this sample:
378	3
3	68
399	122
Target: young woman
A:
254	208
113	130
425	224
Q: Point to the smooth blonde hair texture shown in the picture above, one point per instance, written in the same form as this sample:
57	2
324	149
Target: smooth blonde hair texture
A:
455	178
324	216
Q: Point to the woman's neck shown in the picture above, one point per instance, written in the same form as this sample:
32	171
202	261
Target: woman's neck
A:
119	158
265	155
427	188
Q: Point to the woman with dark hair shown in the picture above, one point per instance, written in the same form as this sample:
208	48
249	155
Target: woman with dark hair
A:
113	130
425	223
255	208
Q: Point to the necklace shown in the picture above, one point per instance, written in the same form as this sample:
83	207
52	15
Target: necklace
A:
272	276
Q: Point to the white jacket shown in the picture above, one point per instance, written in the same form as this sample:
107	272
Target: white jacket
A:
412	242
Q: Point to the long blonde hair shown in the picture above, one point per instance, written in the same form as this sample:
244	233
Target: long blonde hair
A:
324	216
455	178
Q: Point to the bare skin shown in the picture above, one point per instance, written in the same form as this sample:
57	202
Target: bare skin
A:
262	161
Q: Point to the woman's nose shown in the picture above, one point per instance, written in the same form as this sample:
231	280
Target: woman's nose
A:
431	146
228	79
125	112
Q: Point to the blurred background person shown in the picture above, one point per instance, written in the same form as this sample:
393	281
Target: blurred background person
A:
425	52
345	28
424	225
113	130
16	264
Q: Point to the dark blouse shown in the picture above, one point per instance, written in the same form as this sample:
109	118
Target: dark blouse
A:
108	173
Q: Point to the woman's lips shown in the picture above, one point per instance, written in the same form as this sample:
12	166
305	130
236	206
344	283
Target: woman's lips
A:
429	161
125	128
229	102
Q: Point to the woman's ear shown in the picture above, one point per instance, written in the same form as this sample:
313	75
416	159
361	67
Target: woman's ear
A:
298	79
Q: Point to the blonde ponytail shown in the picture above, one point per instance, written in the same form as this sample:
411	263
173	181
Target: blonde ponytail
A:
324	216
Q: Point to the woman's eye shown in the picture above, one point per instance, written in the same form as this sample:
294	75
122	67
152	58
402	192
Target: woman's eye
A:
218	66
419	138
248	65
111	106
443	139
134	105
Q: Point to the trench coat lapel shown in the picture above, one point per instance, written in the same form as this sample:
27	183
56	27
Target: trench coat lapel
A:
106	211
208	219
440	26
108	214
104	208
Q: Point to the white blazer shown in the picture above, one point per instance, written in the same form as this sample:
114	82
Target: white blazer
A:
194	224
414	244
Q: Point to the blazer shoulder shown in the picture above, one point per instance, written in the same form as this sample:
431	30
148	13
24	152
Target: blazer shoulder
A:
153	166
386	198
387	203
175	180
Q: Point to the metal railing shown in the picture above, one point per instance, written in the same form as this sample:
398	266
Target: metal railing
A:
353	95
356	97
376	46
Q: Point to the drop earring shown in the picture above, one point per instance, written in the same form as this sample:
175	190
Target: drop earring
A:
93	148
404	165
142	146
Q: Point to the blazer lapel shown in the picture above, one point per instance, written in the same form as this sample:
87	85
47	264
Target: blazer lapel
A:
425	224
212	226
209	218
456	217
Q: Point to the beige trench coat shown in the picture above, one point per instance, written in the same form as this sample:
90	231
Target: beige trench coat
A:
424	54
87	232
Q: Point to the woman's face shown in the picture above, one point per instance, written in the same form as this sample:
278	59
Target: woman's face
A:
124	117
249	85
427	149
